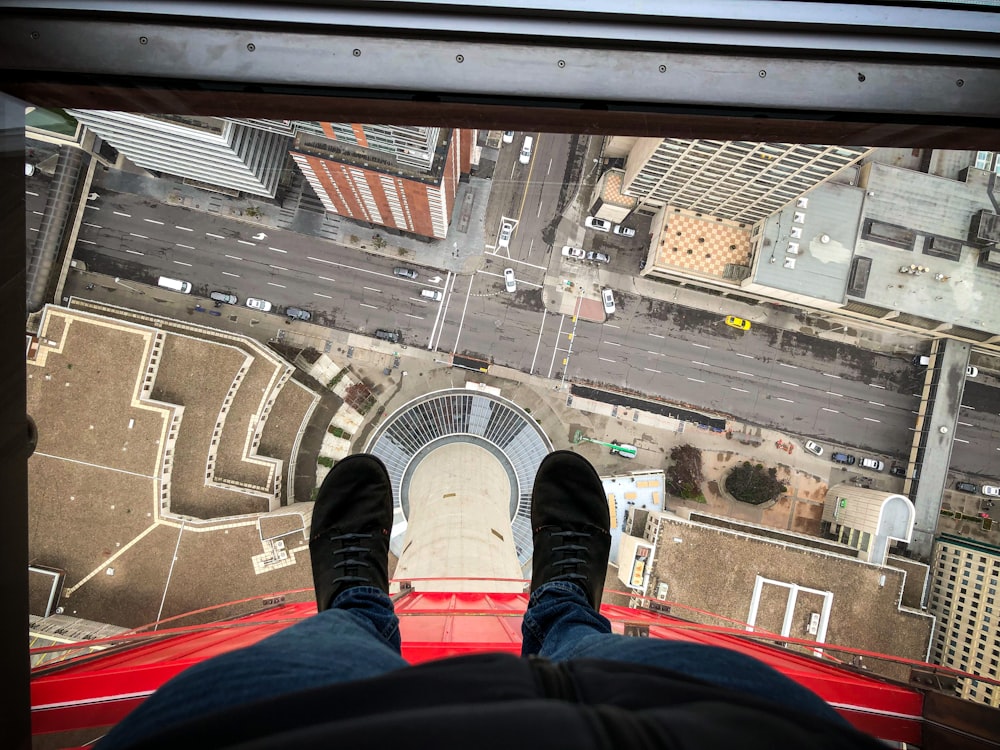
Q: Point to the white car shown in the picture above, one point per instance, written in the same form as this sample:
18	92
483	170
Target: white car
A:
971	371
258	304
573	252
601	225
990	489
506	230
624	231
509	282
813	447
508	136
608	298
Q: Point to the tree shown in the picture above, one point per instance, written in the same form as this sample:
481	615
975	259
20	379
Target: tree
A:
684	476
754	484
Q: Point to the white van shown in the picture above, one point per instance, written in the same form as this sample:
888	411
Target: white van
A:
525	156
175	284
433	294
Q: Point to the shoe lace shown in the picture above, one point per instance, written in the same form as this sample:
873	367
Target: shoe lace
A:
569	557
353	555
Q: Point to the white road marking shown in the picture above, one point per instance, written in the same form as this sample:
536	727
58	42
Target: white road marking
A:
234	275
278	268
95	226
37	213
831	393
35	229
325	278
92	208
140	236
612	343
605	359
831	375
119	213
794	385
785	364
746	374
186	247
611	325
217	236
154	221
966	406
371	307
183	229
650	351
324	296
741	390
245	242
277	249
959	440
658	336
701	346
966	424
234	257
86	242
875	385
134	252
695	380
875	403
869	419
372	289
182	263
832	411
745	356
701	364
280	286
416	317
28	192
538	343
650	369
786	400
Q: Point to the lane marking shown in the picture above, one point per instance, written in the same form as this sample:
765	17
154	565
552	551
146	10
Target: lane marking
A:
95	226
325	278
234	257
876	385
832	411
372	289
278	268
605	359
791	367
657	336
28	192
695	380
134	252
745	356
324	296
217	236
959	440
612	343
831	393
140	236
650	351
611	325
182	263
119	213
875	403
701	346
277	249
245	242
747	374
794	385
154	221
186	247
371	307
831	375
696	362
280	286
234	275
966	424
86	242
786	400
650	369
869	419
417	317
966	406
92	208
183	229
741	390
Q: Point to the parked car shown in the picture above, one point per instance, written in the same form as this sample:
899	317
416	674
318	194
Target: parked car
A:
843	458
732	320
813	447
433	294
598	257
258	304
509	282
525	156
872	463
224	298
508	136
297	313
608	298
897	471
601	225
406	273
971	371
387	335
966	487
624	231
573	252
506	230
990	489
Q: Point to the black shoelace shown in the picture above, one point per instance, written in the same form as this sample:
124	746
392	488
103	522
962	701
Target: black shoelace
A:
353	557
572	557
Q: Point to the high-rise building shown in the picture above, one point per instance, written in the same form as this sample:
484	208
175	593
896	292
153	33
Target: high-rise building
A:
212	152
400	177
741	181
966	576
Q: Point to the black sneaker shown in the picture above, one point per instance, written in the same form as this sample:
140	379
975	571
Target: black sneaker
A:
571	525
351	522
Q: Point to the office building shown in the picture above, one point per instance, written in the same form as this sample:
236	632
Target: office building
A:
401	177
210	152
868	520
966	576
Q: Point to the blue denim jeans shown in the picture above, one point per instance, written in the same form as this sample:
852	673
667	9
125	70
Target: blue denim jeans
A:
358	638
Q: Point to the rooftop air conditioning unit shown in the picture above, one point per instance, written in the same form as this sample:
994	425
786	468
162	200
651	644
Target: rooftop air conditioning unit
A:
793	248
813	623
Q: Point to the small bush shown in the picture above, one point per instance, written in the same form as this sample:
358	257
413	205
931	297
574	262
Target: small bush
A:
337	378
325	461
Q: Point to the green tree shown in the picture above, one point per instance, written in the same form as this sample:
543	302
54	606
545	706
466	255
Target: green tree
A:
754	484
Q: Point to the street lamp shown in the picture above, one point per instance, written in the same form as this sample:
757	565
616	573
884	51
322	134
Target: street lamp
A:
122	283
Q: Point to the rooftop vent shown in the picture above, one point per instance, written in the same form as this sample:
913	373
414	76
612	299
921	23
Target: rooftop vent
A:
799	217
793	248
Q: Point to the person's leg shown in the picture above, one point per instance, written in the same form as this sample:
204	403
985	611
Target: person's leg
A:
354	635
569	567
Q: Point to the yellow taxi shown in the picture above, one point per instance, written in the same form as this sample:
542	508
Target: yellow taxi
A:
732	320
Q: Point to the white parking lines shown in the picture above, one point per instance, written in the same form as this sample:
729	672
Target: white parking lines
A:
791	367
183	229
186	247
133	252
182	263
280	286
245	242
657	336
875	403
695	380
140	236
786	400
831	375
324	296
154	221
650	369
701	346
372	289
88	224
869	419
794	385
119	213
416	317
370	307
876	385
745	356
217	236
832	411
605	359
234	257
234	275
831	393
744	374
741	390
277	249
277	268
